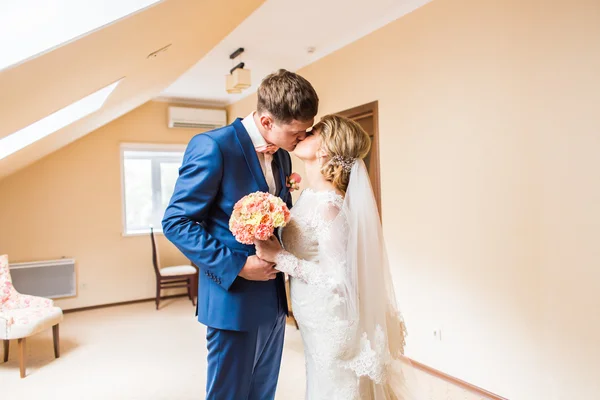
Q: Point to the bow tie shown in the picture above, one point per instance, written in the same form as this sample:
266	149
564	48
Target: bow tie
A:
267	148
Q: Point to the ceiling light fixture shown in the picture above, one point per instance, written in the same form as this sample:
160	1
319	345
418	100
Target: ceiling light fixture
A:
238	78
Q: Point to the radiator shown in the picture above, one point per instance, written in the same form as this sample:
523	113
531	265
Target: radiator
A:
52	278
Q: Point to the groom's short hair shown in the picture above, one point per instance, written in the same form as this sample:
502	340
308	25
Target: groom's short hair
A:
287	96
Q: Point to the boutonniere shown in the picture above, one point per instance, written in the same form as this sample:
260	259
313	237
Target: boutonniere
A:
293	181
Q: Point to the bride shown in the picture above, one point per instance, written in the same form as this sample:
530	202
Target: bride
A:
341	288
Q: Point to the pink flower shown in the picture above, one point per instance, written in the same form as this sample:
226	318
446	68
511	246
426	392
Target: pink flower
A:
293	181
245	234
286	215
296	177
264	231
266	220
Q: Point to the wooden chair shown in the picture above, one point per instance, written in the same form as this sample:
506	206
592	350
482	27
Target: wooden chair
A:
173	277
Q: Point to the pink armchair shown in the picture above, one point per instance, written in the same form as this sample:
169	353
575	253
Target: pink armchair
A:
22	315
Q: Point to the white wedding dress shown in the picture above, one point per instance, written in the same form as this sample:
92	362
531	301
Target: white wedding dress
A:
348	355
314	301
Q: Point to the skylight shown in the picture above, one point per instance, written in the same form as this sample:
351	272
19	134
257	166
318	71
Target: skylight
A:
53	122
30	27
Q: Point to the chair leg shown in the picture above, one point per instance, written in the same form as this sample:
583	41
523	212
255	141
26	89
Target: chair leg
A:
190	289
195	289
22	355
6	347
291	314
157	294
56	337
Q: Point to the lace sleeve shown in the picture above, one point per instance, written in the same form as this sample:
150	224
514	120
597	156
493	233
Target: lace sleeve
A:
307	271
326	272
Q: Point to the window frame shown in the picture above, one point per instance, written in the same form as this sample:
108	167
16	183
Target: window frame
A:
157	147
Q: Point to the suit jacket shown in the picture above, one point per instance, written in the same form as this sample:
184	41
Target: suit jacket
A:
219	168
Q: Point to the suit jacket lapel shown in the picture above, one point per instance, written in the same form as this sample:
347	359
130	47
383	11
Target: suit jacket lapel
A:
277	158
250	155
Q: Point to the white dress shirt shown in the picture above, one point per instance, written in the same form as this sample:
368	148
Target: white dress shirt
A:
265	159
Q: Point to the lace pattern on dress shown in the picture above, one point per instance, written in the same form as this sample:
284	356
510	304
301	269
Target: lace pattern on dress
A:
337	354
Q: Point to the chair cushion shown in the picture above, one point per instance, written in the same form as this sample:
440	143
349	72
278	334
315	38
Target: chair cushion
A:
29	301
17	300
178	270
20	323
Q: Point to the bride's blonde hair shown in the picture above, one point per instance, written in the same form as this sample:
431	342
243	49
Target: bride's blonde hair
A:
344	141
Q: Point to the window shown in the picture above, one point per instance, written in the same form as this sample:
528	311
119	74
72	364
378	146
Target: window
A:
149	176
31	27
53	122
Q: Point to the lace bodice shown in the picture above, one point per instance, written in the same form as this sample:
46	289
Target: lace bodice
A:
308	232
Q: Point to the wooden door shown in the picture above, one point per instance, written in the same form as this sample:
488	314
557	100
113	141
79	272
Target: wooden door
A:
366	116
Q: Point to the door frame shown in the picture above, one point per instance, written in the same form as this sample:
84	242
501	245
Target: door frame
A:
367	110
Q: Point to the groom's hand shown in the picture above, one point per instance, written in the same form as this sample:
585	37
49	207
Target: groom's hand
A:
256	269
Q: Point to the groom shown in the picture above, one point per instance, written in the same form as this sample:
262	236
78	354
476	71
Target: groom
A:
241	298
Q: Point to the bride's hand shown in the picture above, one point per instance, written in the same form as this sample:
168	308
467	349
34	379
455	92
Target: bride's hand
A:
268	249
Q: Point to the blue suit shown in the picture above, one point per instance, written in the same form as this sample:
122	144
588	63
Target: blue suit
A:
245	319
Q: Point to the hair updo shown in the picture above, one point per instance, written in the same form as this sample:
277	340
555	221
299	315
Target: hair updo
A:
344	141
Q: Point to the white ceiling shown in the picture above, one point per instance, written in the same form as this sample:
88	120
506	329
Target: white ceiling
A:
277	35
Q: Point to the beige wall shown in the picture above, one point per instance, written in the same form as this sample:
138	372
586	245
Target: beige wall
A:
490	179
490	136
69	204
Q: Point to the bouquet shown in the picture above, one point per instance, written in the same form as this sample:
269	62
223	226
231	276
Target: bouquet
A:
256	216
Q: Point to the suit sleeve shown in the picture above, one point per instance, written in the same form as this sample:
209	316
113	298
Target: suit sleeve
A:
195	191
